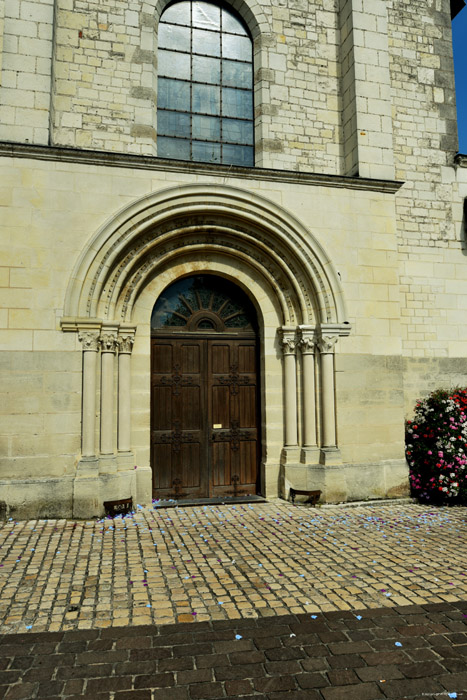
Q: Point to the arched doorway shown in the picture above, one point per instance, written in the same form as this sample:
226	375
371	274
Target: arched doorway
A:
204	390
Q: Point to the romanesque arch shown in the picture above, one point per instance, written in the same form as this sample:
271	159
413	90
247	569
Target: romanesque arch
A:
222	230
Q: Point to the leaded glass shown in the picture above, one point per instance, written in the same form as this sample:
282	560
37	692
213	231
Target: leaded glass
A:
206	128
203	46
174	65
173	124
236	74
223	303
173	37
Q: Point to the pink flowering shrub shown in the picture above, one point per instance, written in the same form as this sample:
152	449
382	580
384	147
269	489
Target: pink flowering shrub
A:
436	447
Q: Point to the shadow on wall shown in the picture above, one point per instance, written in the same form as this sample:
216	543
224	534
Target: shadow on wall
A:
464	229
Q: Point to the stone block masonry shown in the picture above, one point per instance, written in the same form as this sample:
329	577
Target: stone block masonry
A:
26	30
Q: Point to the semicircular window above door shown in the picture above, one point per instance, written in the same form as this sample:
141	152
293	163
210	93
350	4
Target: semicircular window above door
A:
204	303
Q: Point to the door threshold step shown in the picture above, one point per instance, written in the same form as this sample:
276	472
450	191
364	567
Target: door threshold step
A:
217	501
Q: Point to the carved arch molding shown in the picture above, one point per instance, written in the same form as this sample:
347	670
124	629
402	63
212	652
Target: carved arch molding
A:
212	223
148	235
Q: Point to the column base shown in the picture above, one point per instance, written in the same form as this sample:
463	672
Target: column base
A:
310	455
143	485
107	464
86	503
290	455
330	456
125	460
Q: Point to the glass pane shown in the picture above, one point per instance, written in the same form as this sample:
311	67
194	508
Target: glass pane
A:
237	155
236	47
178	13
207	43
206	16
173	148
206	128
237	74
206	70
174	65
171	37
173	124
169	305
173	94
236	131
206	99
207	152
231	24
237	103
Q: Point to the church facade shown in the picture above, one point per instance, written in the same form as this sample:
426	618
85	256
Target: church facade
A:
233	247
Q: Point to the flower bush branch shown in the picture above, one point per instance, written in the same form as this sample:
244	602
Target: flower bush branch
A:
436	447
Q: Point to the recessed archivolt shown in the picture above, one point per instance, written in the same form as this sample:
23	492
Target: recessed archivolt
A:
128	250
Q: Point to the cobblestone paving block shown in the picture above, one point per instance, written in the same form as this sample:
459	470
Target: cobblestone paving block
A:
197	564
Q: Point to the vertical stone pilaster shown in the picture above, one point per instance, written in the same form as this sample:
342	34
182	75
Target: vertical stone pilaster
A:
366	89
307	345
126	338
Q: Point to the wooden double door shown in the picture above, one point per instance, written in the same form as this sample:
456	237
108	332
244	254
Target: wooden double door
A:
204	416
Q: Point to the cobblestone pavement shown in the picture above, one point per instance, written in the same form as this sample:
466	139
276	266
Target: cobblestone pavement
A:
213	563
397	652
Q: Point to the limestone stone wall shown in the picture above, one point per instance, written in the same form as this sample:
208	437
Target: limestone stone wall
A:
53	210
26	45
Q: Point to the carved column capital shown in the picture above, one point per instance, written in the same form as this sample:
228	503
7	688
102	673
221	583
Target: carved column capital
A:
125	342
108	341
326	343
289	341
307	341
90	340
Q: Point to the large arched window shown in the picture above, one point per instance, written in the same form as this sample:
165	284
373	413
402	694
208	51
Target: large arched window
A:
205	85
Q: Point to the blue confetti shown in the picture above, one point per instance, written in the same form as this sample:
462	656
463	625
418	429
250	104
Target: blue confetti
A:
313	617
452	695
397	644
359	617
238	636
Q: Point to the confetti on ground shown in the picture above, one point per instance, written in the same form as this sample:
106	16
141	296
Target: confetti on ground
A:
249	560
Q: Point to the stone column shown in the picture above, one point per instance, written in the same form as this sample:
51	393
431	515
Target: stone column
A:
90	341
108	349
329	453
126	338
289	346
310	452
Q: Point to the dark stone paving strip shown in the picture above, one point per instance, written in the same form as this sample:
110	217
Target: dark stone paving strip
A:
417	651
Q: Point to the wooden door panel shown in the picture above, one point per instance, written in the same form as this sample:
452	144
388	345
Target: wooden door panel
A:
190	463
162	455
198	384
178	434
191	358
247	358
221	464
162	359
220	407
232	402
190	408
246	409
162	408
220	354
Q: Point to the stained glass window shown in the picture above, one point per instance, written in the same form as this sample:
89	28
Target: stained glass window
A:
204	302
205	86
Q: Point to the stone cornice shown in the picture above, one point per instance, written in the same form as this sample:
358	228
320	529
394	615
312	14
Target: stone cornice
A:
461	160
136	162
